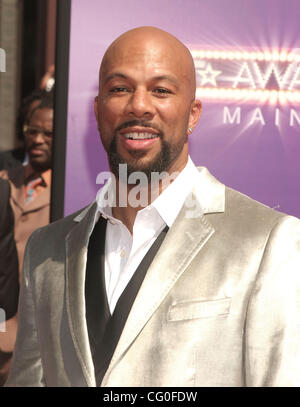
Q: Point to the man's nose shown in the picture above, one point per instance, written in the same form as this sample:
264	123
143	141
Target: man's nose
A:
140	104
38	137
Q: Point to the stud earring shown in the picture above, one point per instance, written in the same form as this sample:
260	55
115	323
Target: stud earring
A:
190	129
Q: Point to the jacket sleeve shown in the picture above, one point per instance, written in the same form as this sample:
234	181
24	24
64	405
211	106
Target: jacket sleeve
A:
27	370
9	277
272	329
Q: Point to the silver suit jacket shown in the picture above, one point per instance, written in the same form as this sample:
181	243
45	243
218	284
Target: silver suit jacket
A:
219	306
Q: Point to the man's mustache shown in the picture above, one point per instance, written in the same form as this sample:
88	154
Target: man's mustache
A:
140	123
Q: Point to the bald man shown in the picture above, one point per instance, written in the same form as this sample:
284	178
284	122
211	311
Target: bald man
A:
169	278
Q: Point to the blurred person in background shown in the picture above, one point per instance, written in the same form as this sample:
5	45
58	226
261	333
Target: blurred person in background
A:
9	281
30	187
12	158
30	183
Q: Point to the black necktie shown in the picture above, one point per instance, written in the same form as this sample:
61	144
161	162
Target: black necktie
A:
105	329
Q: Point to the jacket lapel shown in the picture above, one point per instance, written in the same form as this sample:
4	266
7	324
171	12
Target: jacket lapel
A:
189	233
76	256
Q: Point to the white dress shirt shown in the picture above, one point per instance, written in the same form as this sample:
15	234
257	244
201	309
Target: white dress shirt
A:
123	251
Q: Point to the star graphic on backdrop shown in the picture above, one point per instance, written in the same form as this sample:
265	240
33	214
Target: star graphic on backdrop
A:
209	75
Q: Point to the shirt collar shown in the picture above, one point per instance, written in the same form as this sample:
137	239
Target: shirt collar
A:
101	199
167	204
30	175
170	201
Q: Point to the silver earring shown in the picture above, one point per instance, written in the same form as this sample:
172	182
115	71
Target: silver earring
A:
190	129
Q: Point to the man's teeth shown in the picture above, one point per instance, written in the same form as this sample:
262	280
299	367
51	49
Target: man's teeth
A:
139	136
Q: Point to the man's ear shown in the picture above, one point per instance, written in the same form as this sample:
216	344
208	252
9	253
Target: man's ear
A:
195	113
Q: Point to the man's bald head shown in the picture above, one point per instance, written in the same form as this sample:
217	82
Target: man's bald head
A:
151	38
146	105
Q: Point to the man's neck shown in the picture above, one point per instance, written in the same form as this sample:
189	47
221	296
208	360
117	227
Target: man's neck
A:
136	197
30	172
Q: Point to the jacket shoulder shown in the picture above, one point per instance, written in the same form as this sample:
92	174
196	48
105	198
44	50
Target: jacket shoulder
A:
236	199
252	215
61	228
49	242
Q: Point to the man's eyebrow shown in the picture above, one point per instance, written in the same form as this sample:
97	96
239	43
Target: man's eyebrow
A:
120	75
115	75
169	78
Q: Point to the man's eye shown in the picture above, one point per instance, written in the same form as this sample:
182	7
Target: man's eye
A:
48	133
162	91
118	89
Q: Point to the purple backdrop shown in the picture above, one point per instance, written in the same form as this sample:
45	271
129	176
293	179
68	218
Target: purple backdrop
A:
254	151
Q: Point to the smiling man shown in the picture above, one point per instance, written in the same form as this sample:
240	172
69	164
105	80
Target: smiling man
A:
146	106
198	287
147	102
